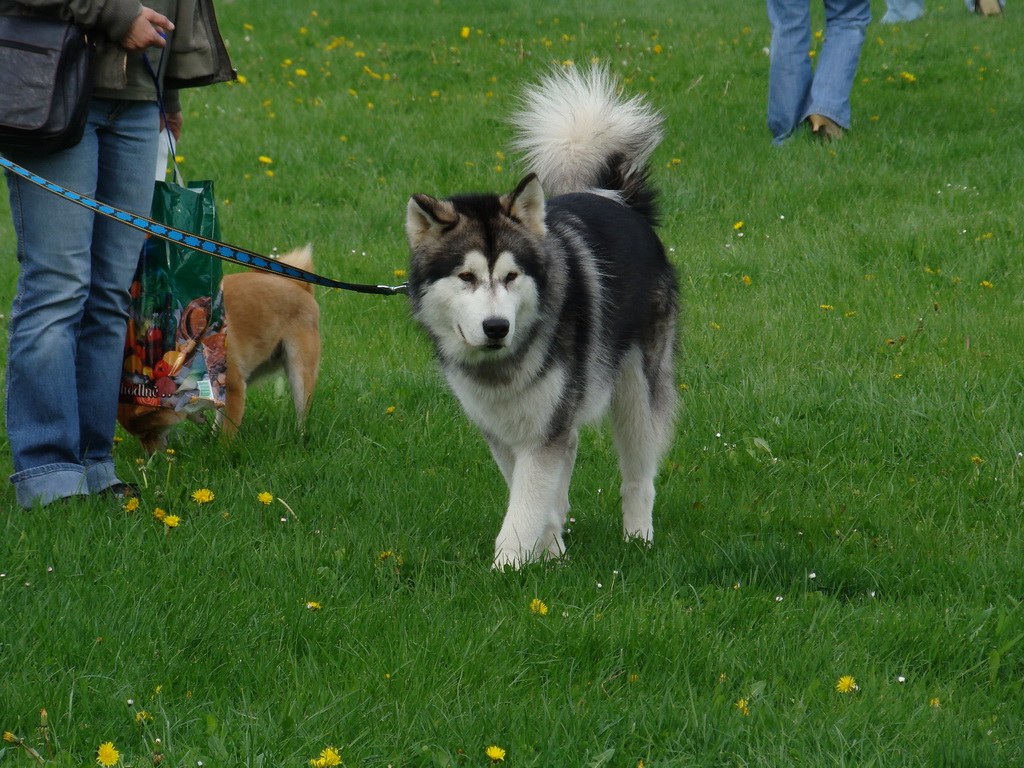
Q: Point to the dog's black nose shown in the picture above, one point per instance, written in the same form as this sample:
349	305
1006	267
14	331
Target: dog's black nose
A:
495	328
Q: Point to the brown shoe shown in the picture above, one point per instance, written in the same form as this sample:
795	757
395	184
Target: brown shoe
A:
825	128
988	7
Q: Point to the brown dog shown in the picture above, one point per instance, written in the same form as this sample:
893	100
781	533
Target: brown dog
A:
274	326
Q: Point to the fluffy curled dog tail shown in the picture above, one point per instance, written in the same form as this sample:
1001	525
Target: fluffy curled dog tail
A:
301	258
578	134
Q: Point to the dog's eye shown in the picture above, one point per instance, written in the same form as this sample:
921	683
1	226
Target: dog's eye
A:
510	277
467	277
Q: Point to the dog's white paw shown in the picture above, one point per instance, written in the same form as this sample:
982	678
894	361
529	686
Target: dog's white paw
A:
643	536
555	549
509	558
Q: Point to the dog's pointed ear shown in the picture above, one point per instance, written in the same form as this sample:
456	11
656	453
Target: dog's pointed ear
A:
426	218
526	204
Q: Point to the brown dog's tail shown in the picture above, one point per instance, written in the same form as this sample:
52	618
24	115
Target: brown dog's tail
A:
300	258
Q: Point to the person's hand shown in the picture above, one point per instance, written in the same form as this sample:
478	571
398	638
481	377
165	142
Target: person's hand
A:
145	31
173	123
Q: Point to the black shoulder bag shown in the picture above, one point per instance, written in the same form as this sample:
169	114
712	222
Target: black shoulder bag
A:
45	84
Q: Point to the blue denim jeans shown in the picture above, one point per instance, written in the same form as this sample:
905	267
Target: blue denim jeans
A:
797	89
902	10
68	320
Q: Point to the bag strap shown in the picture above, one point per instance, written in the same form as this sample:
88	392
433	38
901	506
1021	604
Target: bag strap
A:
155	74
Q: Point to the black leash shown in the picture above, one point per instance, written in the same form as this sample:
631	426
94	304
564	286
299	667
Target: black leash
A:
197	243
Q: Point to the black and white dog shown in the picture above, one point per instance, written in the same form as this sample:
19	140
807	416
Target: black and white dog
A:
546	313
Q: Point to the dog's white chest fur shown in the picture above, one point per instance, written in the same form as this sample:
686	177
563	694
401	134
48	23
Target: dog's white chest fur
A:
520	414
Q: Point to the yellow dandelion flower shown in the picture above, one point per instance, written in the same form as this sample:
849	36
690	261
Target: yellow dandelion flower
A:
142	715
328	757
746	280
313	606
203	496
242	80
935	703
107	754
385	554
738	225
908	77
827	307
265	160
264	498
399	273
495	753
847	684
159	514
301	73
977	460
10	738
987	284
464	33
537	606
132	504
172	521
742	706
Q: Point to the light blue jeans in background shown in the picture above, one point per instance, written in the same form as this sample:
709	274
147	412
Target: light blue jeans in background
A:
902	10
68	320
797	89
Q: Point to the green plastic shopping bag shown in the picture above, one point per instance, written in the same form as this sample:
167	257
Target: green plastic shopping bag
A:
174	354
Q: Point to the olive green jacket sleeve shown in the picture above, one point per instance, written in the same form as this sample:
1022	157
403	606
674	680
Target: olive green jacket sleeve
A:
198	54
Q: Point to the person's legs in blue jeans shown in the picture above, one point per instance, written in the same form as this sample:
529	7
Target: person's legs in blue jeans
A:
902	10
845	25
789	69
128	149
67	324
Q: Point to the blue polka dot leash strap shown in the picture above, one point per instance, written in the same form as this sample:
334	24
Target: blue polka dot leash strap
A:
195	242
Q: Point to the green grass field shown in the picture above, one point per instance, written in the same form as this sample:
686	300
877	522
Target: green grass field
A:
843	497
